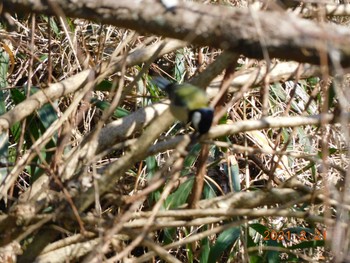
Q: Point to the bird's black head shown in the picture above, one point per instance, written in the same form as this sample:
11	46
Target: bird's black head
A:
201	119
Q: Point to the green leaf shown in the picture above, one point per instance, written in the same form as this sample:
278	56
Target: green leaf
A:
180	65
313	81
208	191
255	259
169	235
37	124
47	115
272	255
305	233
179	197
232	172
154	91
189	250
103	105
261	229
309	244
71	24
205	249
151	168
104	85
15	132
192	156
54	26
224	242
17	96
250	241
277	91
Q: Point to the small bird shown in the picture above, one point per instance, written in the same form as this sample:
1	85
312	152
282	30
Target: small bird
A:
189	104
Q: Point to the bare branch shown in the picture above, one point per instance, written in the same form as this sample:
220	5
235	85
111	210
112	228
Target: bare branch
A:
217	26
74	83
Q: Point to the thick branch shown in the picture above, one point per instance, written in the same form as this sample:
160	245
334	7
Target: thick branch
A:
245	31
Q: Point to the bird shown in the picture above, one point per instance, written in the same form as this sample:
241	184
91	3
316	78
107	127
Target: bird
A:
189	104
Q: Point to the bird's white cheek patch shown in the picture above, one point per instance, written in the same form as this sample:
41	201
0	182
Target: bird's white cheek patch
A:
196	118
170	4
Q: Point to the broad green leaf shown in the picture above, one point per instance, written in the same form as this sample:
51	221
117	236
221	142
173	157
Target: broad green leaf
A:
17	96
169	235
277	91
192	156
272	255
208	191
151	168
103	105
36	125
309	244
15	132
261	229
205	249
47	115
179	197
104	85
223	243
232	173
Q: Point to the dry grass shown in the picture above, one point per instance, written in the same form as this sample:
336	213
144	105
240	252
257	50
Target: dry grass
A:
102	186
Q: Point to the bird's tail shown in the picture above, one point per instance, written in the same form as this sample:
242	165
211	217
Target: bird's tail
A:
162	83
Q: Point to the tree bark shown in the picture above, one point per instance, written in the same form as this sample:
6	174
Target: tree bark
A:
245	31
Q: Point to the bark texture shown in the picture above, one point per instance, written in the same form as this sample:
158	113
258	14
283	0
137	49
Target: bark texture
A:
249	32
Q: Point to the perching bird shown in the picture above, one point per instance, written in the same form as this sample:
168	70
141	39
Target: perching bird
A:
189	104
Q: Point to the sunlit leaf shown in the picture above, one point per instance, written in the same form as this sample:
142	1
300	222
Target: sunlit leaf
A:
224	242
180	65
103	105
180	196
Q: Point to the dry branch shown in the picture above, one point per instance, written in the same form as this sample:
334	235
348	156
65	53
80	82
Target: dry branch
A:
237	31
328	9
270	122
78	81
137	152
244	31
37	100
